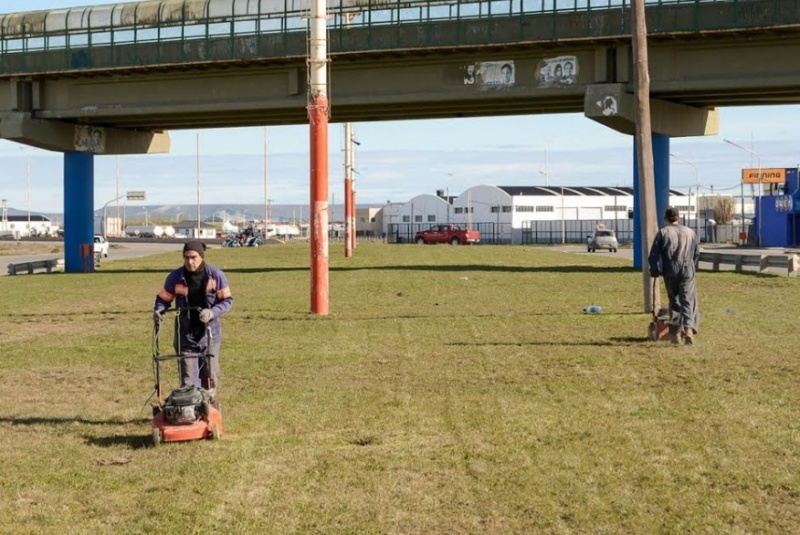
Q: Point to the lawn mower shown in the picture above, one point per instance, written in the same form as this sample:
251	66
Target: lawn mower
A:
189	412
659	326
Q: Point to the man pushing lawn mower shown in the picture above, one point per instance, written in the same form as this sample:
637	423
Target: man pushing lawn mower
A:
674	254
201	295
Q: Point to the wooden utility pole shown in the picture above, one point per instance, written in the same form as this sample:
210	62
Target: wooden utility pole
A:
644	148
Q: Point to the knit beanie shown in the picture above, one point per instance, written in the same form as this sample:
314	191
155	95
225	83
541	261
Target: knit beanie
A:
197	246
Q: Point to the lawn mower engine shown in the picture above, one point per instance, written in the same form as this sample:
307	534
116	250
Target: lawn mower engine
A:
186	405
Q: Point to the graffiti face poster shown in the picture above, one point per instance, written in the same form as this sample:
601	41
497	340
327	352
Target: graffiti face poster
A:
491	73
554	72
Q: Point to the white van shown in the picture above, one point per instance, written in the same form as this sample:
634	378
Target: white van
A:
100	246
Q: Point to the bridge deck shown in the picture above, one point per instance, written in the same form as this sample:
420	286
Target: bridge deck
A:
32	44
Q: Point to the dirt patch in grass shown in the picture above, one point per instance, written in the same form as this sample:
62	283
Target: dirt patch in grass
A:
13	248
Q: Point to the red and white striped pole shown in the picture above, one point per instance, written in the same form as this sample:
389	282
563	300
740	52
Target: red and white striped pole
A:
318	113
353	212
353	190
348	190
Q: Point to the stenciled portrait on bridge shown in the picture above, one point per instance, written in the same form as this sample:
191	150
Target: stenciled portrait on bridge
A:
490	73
560	71
90	139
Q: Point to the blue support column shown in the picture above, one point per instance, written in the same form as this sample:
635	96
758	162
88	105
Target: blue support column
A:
661	177
78	212
661	172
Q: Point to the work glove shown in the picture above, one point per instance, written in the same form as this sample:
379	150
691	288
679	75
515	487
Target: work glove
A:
158	316
206	315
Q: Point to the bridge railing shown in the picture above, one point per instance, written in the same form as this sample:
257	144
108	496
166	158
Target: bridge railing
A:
119	36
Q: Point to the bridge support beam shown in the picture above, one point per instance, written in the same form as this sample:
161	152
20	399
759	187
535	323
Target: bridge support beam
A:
79	143
78	212
612	106
67	137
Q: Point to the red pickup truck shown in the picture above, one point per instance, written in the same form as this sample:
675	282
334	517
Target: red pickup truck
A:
452	234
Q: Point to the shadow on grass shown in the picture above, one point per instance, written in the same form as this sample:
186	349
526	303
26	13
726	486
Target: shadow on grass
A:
308	316
619	341
433	267
131	441
38	420
134	442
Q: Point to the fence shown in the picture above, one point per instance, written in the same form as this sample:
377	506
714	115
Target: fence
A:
491	233
572	231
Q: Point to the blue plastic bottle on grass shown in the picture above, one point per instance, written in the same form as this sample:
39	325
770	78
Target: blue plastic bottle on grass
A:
593	309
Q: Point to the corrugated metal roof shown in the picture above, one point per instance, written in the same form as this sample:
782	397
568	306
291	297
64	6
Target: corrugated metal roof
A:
605	190
515	191
24	218
587	191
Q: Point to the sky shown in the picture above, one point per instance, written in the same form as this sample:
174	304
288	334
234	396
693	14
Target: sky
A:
397	160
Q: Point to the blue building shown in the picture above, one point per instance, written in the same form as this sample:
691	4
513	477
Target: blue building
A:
780	211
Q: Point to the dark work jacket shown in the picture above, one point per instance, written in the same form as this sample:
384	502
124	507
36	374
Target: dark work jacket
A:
218	299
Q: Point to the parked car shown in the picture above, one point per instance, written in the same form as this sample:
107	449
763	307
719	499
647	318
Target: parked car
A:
602	239
100	246
452	234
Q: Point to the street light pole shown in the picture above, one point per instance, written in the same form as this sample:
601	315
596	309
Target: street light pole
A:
696	192
266	199
758	158
197	168
29	195
28	180
563	219
447	195
546	167
105	224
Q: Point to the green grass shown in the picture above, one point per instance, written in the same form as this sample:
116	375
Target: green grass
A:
450	390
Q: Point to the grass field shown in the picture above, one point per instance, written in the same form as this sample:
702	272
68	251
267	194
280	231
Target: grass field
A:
450	390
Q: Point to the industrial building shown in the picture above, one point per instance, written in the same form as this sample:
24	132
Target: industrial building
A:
525	214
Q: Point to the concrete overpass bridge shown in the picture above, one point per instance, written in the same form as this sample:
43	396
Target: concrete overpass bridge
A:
114	79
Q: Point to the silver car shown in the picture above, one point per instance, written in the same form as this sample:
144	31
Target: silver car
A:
602	239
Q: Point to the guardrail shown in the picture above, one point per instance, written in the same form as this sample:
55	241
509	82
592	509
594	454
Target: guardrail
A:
790	262
31	267
138	36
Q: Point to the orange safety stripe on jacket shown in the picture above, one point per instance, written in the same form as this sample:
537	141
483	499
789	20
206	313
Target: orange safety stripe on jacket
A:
212	284
165	296
224	293
181	289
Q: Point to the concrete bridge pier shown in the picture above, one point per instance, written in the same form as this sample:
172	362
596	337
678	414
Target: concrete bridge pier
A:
79	143
661	179
78	212
613	105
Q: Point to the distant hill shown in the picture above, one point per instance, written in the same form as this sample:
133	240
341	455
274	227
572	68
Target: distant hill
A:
172	212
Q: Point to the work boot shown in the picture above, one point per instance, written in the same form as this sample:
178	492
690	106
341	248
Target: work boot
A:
688	336
675	338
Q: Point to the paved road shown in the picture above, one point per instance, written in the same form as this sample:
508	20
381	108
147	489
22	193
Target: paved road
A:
117	251
627	253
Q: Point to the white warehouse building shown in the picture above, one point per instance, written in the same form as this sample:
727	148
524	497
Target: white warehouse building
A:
527	214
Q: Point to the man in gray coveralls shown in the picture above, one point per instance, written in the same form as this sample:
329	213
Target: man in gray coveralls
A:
674	255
